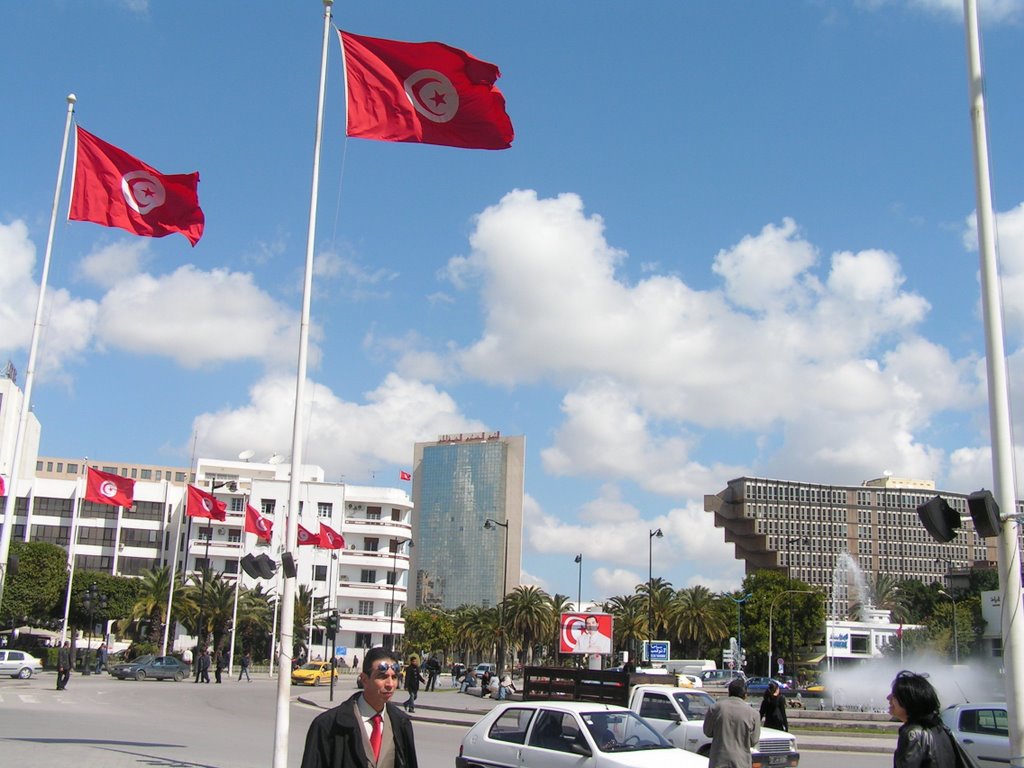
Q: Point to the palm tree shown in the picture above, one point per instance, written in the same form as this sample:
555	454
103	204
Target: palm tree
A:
886	593
527	612
149	612
630	614
559	604
661	593
698	618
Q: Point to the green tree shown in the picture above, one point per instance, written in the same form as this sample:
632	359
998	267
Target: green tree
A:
630	615
528	613
699	621
660	607
428	630
147	616
35	594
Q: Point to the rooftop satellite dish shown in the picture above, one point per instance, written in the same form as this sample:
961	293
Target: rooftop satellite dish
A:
246	454
275	459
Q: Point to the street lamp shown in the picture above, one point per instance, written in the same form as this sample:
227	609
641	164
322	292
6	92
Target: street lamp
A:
579	586
394	582
650	589
771	609
956	644
490	524
739	627
804	542
93	599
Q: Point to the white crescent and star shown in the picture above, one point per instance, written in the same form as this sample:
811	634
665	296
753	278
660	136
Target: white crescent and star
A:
432	94
142	191
108	489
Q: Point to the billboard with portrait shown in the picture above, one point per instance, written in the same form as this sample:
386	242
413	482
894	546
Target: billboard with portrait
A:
586	633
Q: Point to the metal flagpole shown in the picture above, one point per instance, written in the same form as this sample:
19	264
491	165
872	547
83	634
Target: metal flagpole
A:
72	536
174	570
10	502
292	520
238	581
1004	482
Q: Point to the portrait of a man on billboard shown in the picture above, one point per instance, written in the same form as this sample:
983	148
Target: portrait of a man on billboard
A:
586	633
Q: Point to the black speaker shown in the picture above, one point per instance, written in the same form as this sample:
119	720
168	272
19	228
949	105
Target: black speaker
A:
265	566
984	513
939	519
248	564
288	563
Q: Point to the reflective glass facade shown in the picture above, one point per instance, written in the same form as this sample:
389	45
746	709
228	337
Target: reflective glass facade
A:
458	486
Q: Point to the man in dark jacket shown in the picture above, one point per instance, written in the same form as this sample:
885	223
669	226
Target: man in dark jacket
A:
366	730
65	661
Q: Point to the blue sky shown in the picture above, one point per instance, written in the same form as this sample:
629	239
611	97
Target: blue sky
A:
729	238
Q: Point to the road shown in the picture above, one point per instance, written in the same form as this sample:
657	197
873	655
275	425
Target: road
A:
100	722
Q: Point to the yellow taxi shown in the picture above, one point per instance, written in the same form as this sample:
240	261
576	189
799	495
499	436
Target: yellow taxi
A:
313	673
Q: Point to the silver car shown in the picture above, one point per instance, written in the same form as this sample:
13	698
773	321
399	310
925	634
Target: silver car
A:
19	664
983	731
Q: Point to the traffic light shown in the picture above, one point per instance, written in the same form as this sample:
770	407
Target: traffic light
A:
331	624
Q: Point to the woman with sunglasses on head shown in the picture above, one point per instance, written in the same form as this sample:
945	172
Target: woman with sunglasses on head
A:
923	740
773	708
367	730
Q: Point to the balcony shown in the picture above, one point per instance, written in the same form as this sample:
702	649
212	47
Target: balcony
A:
393	529
354	590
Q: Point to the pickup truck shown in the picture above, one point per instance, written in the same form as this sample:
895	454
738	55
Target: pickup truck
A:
676	713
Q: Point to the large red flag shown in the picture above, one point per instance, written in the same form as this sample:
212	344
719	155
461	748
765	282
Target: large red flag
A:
330	538
3	490
422	92
199	503
114	189
256	523
108	488
307	538
403	475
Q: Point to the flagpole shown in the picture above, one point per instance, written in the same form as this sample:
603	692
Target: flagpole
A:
292	520
72	536
174	570
238	581
10	501
1004	482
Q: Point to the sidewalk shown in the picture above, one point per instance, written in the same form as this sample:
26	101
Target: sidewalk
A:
446	706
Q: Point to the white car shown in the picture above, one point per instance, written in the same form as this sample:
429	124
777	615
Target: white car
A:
19	664
551	734
983	730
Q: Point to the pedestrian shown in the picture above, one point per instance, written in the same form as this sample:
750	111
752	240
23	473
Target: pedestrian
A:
65	662
506	687
367	729
458	670
218	669
198	664
204	666
246	661
355	663
433	667
773	708
923	740
468	681
101	659
734	728
485	683
413	678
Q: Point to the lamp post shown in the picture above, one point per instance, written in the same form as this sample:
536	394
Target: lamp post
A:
93	599
394	583
650	589
802	541
231	485
579	584
771	609
739	627
956	644
490	524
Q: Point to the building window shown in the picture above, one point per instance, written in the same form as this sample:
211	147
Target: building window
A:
49	468
373	513
234	537
39	466
368	576
391	578
324	509
179	477
319	573
396	515
366	608
389	609
147	474
363	640
230	566
267	506
371	545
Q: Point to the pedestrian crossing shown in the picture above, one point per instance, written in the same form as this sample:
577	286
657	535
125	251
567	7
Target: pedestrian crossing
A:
30	699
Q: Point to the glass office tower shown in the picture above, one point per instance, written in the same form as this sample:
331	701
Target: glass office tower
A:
459	482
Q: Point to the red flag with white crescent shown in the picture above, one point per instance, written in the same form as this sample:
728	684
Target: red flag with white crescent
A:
108	488
199	503
307	538
330	538
256	523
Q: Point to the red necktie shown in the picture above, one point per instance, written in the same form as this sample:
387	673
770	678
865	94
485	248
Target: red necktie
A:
375	732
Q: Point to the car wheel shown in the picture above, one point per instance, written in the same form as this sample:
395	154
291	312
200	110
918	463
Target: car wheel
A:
24	674
179	676
140	675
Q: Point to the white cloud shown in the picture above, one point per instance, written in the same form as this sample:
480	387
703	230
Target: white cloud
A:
115	262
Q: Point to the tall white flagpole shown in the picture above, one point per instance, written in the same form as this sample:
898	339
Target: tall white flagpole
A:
10	501
72	538
238	582
1004	481
291	534
174	568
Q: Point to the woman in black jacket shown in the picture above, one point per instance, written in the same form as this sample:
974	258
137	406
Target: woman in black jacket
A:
923	740
773	708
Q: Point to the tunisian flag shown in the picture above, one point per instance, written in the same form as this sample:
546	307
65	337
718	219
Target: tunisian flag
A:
430	93
307	538
199	503
114	189
256	523
330	538
108	488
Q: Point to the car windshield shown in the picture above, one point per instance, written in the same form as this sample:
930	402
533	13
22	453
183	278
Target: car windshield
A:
622	731
694	705
316	666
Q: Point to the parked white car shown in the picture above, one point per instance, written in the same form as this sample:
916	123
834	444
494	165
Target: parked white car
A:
19	664
983	730
550	734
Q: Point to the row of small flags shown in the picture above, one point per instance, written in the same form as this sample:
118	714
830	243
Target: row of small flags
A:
428	93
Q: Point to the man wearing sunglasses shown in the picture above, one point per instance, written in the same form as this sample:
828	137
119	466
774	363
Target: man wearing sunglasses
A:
366	730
